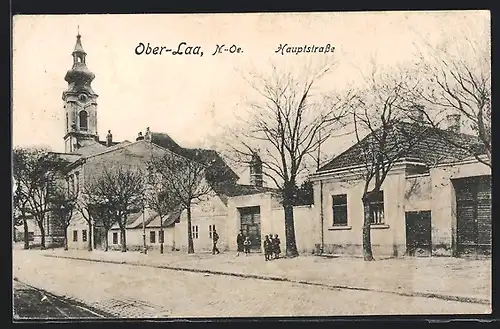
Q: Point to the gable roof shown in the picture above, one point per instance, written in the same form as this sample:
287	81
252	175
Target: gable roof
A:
226	190
217	168
431	147
104	143
151	219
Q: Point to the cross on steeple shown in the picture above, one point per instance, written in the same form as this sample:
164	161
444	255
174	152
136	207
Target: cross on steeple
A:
78	29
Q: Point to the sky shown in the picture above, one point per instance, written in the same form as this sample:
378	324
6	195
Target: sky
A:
191	97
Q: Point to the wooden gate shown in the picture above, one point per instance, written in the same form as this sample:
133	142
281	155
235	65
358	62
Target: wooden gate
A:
250	224
473	215
418	233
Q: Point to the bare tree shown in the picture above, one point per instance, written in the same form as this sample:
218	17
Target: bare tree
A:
284	124
459	81
20	212
383	113
120	191
93	209
36	172
63	203
184	181
162	199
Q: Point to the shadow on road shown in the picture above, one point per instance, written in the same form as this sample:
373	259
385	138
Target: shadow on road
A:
31	303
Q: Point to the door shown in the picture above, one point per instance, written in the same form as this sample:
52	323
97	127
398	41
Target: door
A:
99	238
250	224
418	233
473	215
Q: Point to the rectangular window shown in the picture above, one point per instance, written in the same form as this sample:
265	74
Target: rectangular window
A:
195	231
377	207
340	210
161	236
115	237
84	235
211	229
152	237
75	236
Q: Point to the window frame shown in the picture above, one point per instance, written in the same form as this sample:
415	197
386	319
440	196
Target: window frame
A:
115	237
84	235
211	229
152	236
340	205
75	235
86	115
377	209
194	232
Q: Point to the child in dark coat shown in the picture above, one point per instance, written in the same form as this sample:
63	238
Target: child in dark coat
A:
247	243
271	238
277	247
267	248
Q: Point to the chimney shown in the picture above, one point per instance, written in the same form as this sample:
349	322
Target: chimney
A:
453	123
139	136
109	139
147	135
416	114
256	174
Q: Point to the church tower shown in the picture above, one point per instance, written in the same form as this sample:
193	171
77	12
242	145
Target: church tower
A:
79	102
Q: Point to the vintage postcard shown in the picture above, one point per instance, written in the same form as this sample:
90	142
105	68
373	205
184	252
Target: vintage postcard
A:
251	165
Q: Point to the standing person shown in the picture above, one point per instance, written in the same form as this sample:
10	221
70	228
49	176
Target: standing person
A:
215	239
247	243
271	247
277	247
267	248
240	239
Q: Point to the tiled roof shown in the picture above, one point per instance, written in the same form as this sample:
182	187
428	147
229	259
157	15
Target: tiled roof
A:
131	220
165	141
217	171
228	189
88	147
112	143
151	219
171	218
432	146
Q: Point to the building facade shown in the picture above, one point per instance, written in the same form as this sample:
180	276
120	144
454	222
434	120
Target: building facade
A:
436	201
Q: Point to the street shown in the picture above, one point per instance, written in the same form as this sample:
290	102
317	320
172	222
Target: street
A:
32	303
145	292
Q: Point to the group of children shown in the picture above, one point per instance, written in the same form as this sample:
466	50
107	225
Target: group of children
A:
272	249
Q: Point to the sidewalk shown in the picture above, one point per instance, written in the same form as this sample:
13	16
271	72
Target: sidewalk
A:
444	277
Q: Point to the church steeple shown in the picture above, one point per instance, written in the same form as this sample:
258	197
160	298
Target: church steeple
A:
79	101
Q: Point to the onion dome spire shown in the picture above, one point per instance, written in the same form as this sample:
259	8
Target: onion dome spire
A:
79	73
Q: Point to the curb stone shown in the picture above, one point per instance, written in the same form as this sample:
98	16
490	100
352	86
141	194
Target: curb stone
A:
284	279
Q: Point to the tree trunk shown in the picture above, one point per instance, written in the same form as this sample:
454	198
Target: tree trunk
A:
90	237
173	239
367	245
190	235
162	237
66	239
123	239
26	234
106	244
291	245
42	234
